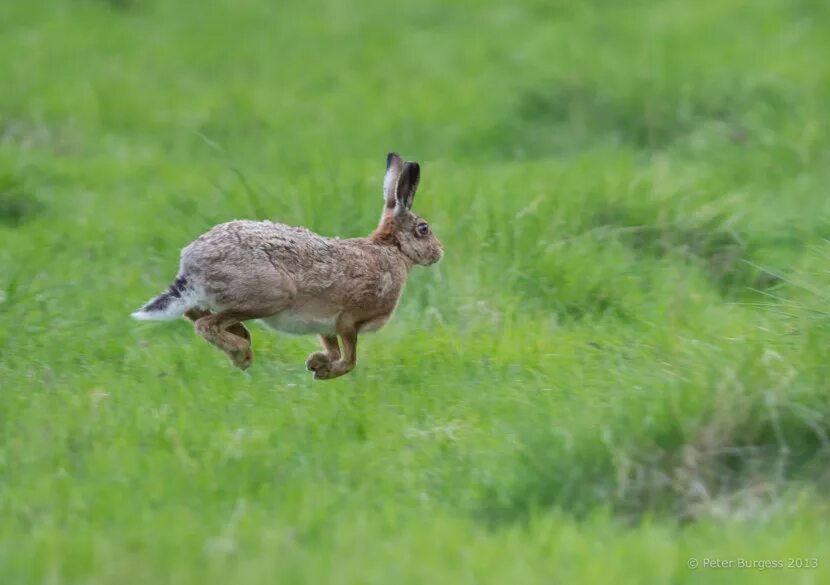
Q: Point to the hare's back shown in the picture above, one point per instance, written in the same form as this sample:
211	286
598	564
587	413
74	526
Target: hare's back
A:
244	239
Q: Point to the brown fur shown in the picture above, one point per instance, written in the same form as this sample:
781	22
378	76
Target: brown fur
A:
298	281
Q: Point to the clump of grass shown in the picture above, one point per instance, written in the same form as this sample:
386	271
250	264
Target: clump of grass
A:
122	5
746	454
723	253
724	441
569	114
17	204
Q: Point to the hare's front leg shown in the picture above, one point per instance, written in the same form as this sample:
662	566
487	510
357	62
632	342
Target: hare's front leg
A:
332	364
320	361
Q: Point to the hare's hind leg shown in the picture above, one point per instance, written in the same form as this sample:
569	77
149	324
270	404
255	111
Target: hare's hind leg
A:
237	329
253	289
225	331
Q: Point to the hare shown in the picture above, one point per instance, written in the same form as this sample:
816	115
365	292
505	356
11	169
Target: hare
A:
296	281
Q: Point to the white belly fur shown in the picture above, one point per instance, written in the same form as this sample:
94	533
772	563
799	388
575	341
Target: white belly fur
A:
302	323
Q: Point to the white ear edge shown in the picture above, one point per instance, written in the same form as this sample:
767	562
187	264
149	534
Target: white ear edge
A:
388	183
394	166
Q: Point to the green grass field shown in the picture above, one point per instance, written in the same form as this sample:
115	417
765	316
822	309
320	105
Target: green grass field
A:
621	364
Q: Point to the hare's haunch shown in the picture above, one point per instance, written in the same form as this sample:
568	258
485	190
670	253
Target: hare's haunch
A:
295	281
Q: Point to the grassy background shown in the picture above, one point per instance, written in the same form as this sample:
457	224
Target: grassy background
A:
622	363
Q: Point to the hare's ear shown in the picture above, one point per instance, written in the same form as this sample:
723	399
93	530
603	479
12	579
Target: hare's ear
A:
394	166
407	185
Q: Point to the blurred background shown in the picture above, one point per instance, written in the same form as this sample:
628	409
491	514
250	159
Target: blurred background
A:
621	364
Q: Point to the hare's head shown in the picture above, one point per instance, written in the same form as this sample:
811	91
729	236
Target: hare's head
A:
398	225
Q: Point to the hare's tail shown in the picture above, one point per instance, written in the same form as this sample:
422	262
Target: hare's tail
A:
169	305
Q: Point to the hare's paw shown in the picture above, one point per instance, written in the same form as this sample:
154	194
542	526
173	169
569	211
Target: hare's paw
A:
242	359
316	360
320	364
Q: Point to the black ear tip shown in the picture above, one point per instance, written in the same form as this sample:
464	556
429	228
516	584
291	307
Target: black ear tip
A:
390	157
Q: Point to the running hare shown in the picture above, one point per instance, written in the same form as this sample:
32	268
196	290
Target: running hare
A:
296	281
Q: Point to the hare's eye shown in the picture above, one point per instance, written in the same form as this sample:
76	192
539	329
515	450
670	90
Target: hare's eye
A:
422	229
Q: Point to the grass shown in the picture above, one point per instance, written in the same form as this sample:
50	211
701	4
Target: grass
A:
622	363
